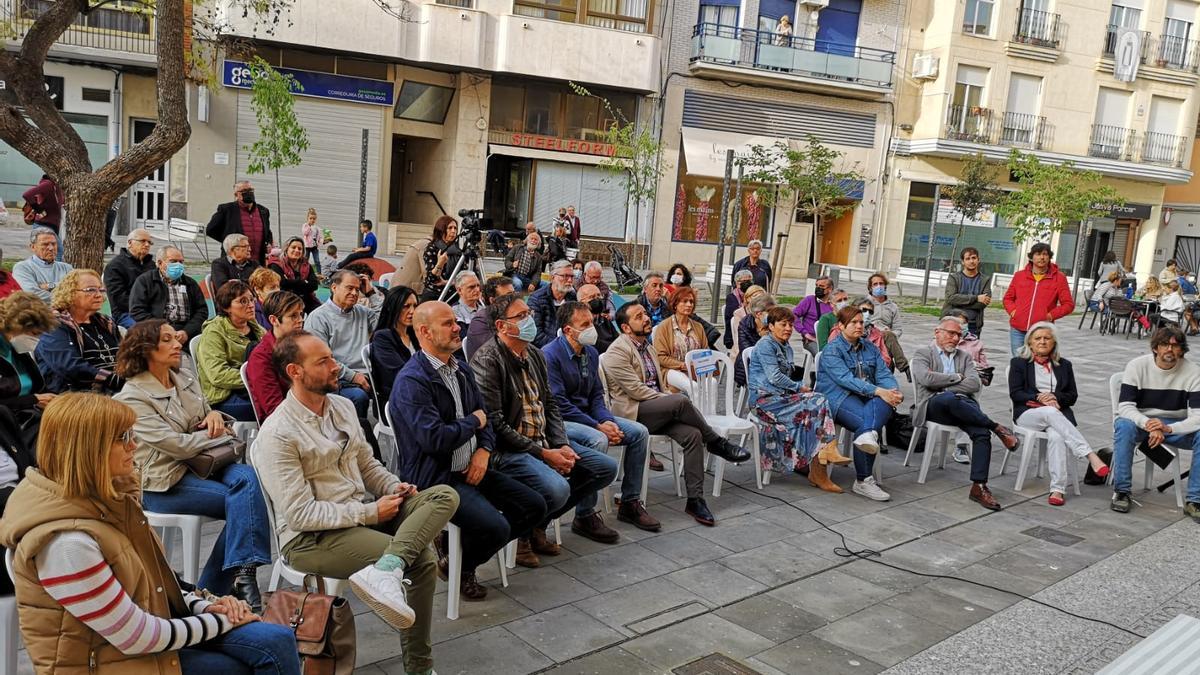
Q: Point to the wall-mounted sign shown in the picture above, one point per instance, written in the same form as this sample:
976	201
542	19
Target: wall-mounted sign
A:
524	140
319	85
1127	210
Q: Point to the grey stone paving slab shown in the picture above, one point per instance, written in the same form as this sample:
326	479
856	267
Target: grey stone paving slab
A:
886	577
744	532
822	543
771	618
945	610
564	633
917	514
670	617
776	563
878	531
617	566
633	603
685	547
547	587
883	634
691	639
612	661
810	655
715	584
495	650
375	639
492	611
932	555
789	517
832	595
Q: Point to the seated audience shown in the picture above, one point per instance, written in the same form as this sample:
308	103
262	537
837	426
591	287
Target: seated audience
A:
174	423
572	364
81	354
285	316
606	330
810	310
678	275
263	281
319	470
738	315
1042	387
16	457
751	329
532	442
367	274
23	319
741	281
445	439
8	283
545	301
886	315
235	264
558	243
41	273
481	329
297	274
1152	290
793	421
593	273
1171	305
825	324
973	345
524	263
861	393
653	298
125	267
393	342
677	335
346	327
366	250
166	292
1159	404
223	346
577	271
759	268
93	573
469	298
329	261
681	274
946	384
887	343
637	391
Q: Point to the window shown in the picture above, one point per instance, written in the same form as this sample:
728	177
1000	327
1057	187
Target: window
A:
627	15
126	16
96	95
837	27
1021	121
298	60
1128	14
624	104
542	111
583	118
1109	135
374	70
719	12
978	17
1162	142
770	11
557	10
1177	33
967	119
423	102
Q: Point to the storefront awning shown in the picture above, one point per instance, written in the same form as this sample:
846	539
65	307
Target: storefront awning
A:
548	155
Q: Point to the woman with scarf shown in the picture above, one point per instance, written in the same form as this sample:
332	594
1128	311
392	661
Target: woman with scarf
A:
296	274
81	353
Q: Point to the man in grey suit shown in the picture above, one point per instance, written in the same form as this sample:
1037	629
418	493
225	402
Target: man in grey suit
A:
946	386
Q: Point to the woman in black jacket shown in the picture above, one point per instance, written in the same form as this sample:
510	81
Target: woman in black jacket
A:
296	275
393	343
1042	387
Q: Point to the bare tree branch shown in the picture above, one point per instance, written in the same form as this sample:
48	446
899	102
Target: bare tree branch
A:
28	75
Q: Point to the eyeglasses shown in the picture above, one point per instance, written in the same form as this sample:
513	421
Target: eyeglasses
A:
92	290
143	241
520	317
127	438
955	333
244	302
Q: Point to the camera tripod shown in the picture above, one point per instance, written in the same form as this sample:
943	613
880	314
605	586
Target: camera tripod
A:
469	260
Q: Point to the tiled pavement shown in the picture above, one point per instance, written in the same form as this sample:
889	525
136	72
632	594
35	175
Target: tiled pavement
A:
767	588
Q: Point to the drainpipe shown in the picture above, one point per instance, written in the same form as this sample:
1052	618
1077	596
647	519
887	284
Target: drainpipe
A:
118	111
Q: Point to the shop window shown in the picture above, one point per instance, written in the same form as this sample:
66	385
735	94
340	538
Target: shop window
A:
543	111
298	60
624	104
583	118
508	107
697	214
272	55
423	102
373	70
997	250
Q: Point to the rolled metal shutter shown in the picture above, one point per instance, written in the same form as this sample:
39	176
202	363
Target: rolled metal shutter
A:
328	177
598	196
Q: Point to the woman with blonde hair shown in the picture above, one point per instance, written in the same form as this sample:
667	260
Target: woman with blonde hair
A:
79	355
94	592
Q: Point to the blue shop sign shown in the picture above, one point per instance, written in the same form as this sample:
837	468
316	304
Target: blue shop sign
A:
319	85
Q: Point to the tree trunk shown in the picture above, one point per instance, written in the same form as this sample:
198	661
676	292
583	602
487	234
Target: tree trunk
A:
87	211
962	224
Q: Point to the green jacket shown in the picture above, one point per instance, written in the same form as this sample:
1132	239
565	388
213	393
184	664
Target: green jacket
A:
824	326
221	350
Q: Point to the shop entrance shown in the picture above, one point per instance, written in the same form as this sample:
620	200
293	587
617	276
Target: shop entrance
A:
396	185
506	199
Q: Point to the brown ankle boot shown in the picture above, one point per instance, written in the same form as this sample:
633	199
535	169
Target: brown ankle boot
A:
541	544
818	476
525	555
829	454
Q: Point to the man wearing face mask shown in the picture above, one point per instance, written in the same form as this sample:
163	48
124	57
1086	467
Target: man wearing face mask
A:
167	293
593	274
532	443
546	300
572	364
243	215
606	330
810	310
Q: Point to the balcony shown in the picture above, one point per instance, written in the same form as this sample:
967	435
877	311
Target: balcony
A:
984	126
1110	42
1110	142
1166	58
1039	29
111	33
1175	53
761	56
1164	149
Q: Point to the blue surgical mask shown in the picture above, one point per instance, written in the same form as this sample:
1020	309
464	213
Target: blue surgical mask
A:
879	291
528	328
174	271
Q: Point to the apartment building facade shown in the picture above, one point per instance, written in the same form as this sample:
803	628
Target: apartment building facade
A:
1110	87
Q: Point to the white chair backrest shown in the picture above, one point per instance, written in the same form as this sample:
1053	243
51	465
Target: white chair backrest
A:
744	355
8	564
249	393
604	381
212	292
1114	391
250	459
706	388
386	280
194	350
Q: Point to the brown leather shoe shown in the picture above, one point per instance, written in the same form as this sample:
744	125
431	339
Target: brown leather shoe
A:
525	555
634	513
983	496
828	454
470	588
542	545
593	527
656	463
818	476
1007	437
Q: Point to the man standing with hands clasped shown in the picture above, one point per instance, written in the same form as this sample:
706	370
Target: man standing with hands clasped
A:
1037	293
968	291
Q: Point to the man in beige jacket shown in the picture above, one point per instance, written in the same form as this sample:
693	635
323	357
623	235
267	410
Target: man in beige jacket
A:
319	468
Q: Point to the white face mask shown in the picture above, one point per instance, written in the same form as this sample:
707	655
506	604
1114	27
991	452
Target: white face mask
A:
24	344
677	279
841	304
589	336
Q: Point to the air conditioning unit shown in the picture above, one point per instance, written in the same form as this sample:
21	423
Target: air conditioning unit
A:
815	4
925	67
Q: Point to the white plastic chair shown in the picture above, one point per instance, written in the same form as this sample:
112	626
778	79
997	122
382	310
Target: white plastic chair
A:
388	444
706	389
939	439
1114	388
189	527
454	574
249	393
246	431
676	464
280	568
1034	443
10	634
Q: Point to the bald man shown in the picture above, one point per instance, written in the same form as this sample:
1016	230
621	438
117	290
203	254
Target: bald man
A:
445	438
132	262
606	330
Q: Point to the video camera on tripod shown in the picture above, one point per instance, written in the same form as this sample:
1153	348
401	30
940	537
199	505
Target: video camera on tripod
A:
470	234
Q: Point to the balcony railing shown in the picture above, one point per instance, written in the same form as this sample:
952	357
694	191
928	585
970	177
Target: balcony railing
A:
765	51
105	27
1165	149
1110	42
1037	28
1176	53
1112	142
991	127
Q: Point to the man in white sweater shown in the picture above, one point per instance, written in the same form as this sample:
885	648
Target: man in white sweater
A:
1159	403
41	273
317	469
346	327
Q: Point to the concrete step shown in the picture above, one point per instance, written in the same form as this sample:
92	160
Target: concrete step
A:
401	235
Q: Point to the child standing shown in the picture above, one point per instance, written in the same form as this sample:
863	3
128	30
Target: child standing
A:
309	233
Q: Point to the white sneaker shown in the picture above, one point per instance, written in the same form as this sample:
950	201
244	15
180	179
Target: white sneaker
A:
868	442
961	455
868	488
384	593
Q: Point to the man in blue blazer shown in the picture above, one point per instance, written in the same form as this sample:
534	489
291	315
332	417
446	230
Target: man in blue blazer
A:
444	438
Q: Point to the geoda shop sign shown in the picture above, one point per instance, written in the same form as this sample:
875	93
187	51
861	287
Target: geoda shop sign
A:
551	143
318	85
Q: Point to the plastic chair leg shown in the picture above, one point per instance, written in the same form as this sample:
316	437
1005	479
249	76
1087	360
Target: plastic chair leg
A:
454	574
10	636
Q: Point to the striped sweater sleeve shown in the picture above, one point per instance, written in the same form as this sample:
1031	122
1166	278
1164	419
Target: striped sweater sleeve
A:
72	571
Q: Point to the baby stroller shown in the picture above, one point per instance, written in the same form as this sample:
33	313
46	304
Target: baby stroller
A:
623	272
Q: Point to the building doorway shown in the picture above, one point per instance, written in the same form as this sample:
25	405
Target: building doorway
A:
396	184
506	199
148	208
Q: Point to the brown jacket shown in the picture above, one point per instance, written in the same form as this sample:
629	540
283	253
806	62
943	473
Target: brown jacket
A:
58	642
664	344
626	378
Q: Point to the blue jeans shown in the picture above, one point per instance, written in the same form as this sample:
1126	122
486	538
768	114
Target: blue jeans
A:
521	283
591	472
964	413
357	395
237	406
232	495
1127	436
636	440
126	321
491	514
259	648
861	415
315	256
1016	339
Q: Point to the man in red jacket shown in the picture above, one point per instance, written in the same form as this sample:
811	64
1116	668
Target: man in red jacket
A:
1037	293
